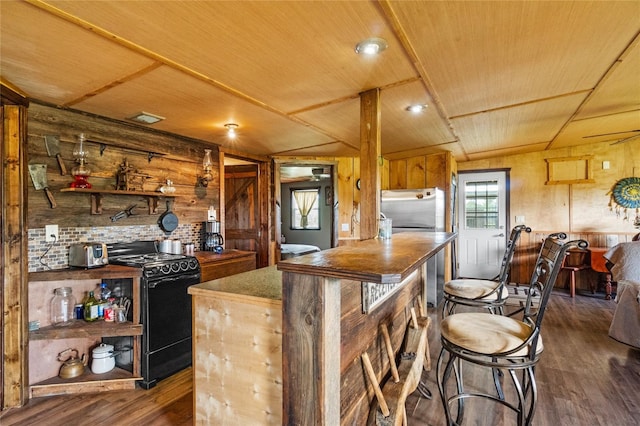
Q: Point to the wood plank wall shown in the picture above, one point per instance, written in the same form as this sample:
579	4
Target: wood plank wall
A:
567	207
361	332
181	162
581	210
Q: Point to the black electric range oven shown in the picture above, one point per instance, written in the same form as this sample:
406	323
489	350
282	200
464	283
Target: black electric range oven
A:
165	307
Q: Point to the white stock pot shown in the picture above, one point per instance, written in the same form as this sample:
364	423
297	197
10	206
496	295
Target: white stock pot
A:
103	359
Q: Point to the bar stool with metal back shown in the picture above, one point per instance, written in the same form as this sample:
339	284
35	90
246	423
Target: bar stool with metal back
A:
501	343
489	294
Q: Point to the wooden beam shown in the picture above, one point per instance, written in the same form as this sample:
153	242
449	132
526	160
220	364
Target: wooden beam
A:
274	255
264	203
13	279
370	162
310	359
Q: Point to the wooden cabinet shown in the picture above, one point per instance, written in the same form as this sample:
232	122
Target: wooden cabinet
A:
229	262
46	342
252	344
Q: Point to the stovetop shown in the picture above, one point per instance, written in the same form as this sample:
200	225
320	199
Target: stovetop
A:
143	254
143	259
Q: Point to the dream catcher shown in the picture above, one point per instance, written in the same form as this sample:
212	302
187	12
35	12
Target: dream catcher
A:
625	194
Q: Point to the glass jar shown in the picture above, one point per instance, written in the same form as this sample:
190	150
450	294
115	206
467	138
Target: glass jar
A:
62	307
384	229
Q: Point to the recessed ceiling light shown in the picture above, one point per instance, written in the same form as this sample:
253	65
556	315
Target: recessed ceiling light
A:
371	46
416	108
146	118
231	130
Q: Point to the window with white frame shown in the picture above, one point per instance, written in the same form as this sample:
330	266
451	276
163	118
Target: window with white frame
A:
481	205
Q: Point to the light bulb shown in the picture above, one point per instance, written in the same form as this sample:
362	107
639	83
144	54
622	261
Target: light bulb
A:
417	108
371	46
231	130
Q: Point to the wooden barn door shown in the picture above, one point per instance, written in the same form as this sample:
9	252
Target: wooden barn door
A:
242	208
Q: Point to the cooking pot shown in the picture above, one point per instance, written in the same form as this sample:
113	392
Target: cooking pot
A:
125	355
73	366
168	220
103	359
165	246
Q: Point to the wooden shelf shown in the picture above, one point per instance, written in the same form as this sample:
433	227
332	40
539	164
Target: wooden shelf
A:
116	379
102	272
83	329
96	197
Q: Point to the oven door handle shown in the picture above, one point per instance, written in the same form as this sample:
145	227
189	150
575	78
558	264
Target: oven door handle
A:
195	278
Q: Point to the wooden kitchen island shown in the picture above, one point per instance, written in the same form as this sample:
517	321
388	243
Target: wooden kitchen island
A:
283	345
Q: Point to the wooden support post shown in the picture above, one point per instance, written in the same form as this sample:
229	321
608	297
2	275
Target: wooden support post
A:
310	361
370	158
14	333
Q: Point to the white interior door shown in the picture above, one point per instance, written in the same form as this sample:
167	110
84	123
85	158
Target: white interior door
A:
482	220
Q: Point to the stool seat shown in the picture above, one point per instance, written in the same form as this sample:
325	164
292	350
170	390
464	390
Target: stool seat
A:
474	288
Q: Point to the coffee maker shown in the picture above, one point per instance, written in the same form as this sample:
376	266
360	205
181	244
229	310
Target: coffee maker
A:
213	240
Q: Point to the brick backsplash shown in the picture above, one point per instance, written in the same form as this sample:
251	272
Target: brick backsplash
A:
44	256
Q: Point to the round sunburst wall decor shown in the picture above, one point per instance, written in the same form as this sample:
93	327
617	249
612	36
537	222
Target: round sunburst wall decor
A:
625	194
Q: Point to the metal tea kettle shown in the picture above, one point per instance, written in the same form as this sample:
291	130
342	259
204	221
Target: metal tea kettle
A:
73	366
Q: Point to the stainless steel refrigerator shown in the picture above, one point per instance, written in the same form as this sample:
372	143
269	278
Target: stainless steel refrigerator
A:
419	210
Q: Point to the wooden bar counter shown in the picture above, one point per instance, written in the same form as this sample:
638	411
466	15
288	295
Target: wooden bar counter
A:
283	345
325	330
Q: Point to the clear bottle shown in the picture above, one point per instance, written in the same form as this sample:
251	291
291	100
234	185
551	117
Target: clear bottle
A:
105	292
103	295
62	307
91	308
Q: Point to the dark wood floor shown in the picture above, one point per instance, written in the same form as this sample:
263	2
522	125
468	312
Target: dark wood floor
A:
584	378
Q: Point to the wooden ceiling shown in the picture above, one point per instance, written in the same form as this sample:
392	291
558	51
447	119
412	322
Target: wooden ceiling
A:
498	77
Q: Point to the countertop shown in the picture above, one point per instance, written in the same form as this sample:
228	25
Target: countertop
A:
263	283
374	260
119	271
211	256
